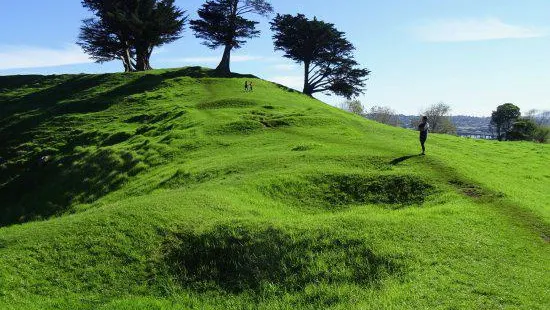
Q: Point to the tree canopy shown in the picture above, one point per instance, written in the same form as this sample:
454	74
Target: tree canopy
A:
221	24
503	118
329	64
129	30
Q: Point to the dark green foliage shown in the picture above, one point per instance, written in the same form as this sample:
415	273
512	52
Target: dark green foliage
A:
522	129
542	134
503	118
130	30
221	24
239	256
329	64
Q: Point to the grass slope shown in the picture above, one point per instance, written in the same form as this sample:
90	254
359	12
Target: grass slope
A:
174	189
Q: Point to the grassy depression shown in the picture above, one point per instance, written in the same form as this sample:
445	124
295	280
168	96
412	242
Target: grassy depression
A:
175	189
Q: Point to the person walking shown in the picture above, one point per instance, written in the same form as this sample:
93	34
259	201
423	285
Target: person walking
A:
423	128
245	86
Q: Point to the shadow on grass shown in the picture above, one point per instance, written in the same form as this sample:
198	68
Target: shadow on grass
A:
402	159
339	191
40	123
237	257
40	192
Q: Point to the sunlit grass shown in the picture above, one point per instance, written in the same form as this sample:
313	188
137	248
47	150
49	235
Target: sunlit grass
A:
175	189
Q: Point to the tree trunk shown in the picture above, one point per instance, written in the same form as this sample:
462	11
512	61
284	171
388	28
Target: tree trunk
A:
142	61
223	67
127	61
143	54
307	88
125	64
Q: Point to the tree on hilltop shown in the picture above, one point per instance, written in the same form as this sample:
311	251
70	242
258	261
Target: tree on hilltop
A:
329	64
129	30
503	119
221	23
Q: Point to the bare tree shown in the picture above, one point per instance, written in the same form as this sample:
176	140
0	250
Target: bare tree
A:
384	115
439	118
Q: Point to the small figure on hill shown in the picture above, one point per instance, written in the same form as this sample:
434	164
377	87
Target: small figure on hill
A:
245	86
249	86
423	128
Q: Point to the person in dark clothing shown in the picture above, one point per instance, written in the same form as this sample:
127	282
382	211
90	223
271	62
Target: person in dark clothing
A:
245	86
423	128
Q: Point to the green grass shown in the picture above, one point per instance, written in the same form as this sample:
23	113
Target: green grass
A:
174	189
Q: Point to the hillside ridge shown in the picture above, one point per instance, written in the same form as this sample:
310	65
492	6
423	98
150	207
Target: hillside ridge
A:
177	189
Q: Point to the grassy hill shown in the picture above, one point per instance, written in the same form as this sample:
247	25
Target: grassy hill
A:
175	189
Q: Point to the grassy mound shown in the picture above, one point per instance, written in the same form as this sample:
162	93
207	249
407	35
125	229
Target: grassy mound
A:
175	189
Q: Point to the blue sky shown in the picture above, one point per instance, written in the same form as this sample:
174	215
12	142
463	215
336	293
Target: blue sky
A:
471	54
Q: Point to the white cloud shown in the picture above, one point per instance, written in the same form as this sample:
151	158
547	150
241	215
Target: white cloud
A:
460	30
292	81
215	59
18	57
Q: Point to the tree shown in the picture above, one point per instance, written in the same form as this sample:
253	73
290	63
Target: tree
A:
129	30
503	118
522	129
329	65
542	118
439	118
542	134
353	106
222	23
384	115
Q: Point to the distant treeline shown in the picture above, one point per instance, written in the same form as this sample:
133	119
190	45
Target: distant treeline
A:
460	121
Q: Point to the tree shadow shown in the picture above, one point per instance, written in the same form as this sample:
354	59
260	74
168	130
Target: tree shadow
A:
37	119
402	159
40	191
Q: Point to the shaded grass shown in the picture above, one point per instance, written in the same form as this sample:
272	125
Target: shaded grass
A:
250	256
337	190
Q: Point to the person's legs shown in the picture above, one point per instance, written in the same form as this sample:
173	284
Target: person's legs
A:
422	144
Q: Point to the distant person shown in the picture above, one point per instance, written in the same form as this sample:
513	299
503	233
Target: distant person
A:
249	86
423	128
245	86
